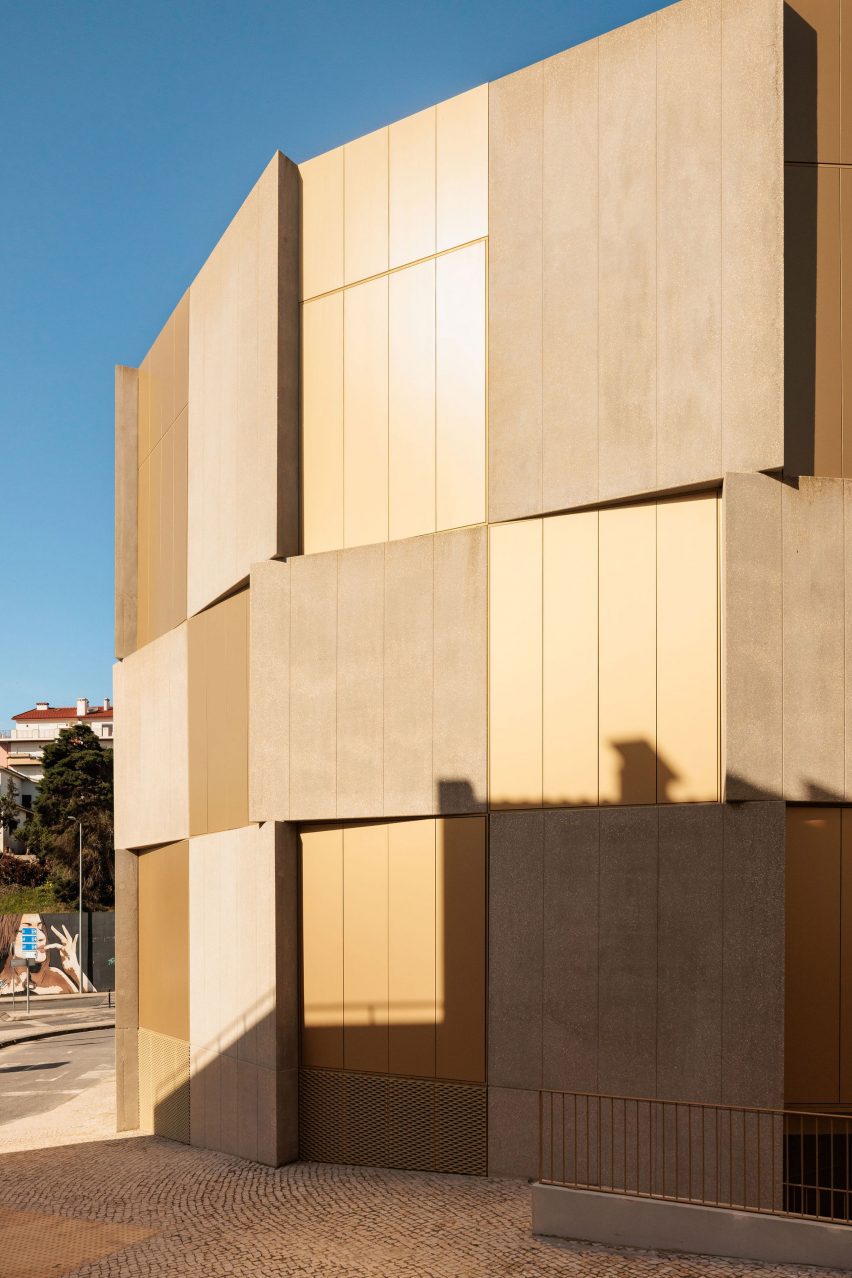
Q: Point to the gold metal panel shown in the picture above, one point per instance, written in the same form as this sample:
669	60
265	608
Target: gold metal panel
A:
164	1085
365	949
515	664
827	407
628	659
460	388
845	86
411	948
218	716
411	401
322	948
143	555
845	1096
462	168
365	206
144	442
322	423
164	940
570	659
365	413
461	940
179	499
180	338
812	80
688	650
411	159
322	223
812	956
165	576
846	306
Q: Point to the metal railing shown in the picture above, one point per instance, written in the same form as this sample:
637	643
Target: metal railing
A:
775	1162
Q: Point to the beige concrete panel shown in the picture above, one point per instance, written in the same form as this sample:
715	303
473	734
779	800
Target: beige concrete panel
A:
569	929
690	955
198	683
322	424
365	948
753	972
409	610
689	244
151	747
154	545
180	337
570	659
462	168
360	678
627	972
515	948
165	584
460	344
243	428
812	80
751	510
322	948
365	413
126	508
814	640
570	278
515	664
411	188
461	946
627	260
515	295
752	236
365	206
313	687
322	223
627	646
411	401
163	877
269	692
412	960
460	694
513	1132
812	956
688	735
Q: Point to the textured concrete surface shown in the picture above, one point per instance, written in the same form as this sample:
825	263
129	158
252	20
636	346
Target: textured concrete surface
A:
213	1215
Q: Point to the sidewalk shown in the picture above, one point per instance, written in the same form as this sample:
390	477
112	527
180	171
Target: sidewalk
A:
90	1011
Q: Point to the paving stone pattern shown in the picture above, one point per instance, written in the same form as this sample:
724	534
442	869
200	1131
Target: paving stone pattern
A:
215	1215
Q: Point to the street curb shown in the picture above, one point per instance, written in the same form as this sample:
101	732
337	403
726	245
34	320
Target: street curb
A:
55	1033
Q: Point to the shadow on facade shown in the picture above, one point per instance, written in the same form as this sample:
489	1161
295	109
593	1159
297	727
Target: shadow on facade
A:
800	244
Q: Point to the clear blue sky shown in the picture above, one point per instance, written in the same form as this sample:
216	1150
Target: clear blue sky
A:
131	134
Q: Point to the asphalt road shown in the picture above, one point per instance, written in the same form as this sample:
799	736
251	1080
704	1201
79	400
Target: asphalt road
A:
39	1076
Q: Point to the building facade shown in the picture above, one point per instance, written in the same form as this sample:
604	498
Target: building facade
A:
482	554
22	747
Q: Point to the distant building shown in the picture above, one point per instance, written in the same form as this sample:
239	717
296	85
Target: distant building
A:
22	748
25	789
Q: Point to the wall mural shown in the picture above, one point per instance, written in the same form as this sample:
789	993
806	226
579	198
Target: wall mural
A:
61	963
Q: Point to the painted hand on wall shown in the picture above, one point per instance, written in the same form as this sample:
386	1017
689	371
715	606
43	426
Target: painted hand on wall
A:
67	947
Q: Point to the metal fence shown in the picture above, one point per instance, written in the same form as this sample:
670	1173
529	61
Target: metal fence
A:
777	1162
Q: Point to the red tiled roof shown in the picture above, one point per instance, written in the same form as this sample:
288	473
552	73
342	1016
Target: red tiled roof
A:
63	712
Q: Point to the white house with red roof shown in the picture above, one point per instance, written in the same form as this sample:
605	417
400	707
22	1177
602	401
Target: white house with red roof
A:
22	748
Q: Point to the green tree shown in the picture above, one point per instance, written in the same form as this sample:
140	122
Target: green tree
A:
76	787
10	809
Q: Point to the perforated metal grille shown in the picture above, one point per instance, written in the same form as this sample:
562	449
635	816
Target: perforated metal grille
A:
376	1120
164	1085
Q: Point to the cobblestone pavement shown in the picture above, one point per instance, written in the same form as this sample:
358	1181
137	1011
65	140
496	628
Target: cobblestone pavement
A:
210	1214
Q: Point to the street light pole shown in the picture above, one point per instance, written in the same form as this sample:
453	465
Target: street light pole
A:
80	906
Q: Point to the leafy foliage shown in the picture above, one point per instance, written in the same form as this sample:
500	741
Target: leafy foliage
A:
30	900
20	871
77	787
9	809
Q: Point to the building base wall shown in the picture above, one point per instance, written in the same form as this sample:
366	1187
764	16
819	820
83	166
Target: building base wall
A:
713	1231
